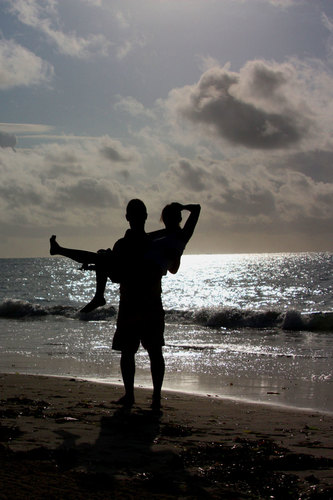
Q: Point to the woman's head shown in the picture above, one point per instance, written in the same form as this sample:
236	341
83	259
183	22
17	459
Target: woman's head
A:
172	215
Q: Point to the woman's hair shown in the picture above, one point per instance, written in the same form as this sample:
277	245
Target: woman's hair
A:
171	214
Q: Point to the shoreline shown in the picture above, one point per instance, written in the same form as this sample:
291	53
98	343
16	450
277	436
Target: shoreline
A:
67	438
194	394
143	381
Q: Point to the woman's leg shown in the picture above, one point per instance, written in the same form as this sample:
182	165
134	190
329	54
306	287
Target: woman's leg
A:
102	267
81	256
103	262
98	299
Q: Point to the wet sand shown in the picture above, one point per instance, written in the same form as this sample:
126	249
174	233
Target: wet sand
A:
67	438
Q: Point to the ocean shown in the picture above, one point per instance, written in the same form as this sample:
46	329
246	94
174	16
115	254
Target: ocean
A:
255	327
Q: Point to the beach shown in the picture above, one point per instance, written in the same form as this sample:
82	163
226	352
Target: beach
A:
67	438
255	326
247	403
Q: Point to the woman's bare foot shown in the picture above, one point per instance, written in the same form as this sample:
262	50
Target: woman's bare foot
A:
93	304
54	245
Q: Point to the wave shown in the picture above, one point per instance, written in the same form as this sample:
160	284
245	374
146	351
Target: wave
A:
247	318
21	309
228	318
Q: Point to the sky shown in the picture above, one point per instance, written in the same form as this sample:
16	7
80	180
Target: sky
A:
226	103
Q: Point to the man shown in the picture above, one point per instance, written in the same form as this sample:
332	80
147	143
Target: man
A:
140	315
138	262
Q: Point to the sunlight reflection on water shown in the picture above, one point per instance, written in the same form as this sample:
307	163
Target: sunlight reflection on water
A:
226	360
249	281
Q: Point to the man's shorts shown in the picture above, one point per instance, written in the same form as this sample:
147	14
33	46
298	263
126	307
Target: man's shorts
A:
139	322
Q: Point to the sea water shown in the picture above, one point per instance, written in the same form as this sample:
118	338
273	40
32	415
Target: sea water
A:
247	326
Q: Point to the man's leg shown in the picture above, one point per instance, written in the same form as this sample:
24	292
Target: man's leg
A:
127	366
157	367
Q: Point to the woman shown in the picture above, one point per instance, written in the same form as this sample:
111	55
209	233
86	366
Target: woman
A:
167	247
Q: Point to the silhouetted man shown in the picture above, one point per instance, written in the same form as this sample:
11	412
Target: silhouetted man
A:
138	262
140	315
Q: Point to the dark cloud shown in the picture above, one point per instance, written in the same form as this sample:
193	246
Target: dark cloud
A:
254	196
88	193
62	163
189	176
7	140
317	164
125	174
57	171
266	81
112	154
250	108
16	195
246	203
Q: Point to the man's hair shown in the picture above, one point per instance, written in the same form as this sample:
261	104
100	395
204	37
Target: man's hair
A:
136	207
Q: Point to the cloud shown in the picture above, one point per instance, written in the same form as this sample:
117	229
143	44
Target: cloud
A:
43	17
286	3
7	140
88	192
124	49
247	201
114	151
189	175
74	46
95	3
72	181
112	154
30	128
316	164
132	106
252	108
328	23
127	46
20	67
74	188
279	3
121	19
301	198
17	195
251	197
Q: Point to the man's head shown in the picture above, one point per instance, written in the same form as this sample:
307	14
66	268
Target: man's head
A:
136	214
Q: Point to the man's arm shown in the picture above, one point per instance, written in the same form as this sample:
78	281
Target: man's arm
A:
159	233
115	273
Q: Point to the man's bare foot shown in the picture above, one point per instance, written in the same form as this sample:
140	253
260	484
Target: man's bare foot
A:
54	245
156	403
93	304
126	401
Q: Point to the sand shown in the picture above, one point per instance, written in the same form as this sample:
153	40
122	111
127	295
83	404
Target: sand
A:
66	439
